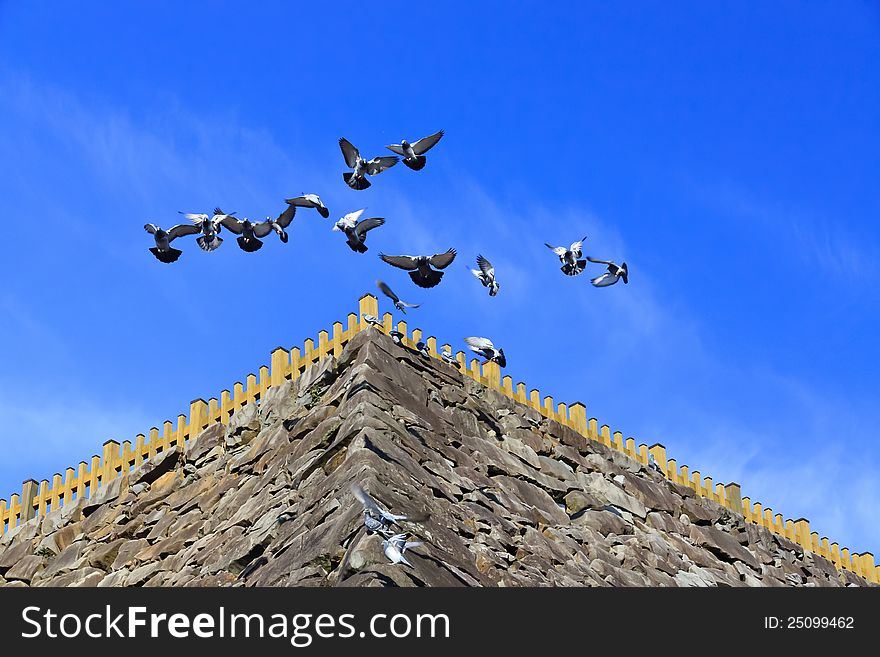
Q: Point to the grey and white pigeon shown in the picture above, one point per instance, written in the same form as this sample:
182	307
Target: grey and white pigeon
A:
484	347
422	348
654	465
209	240
610	277
284	517
248	231
373	321
413	153
397	337
395	546
388	292
357	179
572	265
355	229
163	250
282	221
376	519
310	201
420	267
486	275
450	358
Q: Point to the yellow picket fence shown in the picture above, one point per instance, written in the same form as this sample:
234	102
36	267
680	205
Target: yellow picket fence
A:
37	499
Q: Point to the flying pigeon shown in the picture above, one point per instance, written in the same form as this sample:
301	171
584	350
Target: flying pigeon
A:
400	305
282	222
571	265
397	336
484	347
209	227
610	277
249	231
395	546
310	201
373	321
449	358
486	275
413	153
356	231
376	518
357	179
163	250
420	266
422	348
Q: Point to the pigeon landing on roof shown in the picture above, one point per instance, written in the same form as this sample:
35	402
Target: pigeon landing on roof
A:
395	546
282	222
376	519
356	230
400	305
209	240
571	264
610	277
413	154
163	250
486	275
484	347
419	267
249	231
357	179
310	201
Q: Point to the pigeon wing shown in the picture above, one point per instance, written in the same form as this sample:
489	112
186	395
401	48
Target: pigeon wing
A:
400	261
424	144
364	498
485	266
576	246
442	260
379	164
151	228
387	291
182	229
350	220
396	148
349	152
367	224
558	250
479	344
262	228
195	218
232	224
601	262
286	217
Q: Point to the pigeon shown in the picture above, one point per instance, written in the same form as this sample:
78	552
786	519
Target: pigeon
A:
397	336
284	517
252	566
248	230
209	227
654	465
376	519
449	358
357	179
486	275
420	266
413	153
571	265
422	348
395	546
373	321
282	222
310	201
400	305
610	277
356	231
163	250
484	347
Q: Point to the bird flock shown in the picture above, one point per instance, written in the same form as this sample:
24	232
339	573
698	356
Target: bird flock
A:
425	271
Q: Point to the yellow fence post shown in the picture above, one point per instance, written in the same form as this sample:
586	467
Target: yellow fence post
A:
578	413
733	494
802	534
279	363
29	489
108	461
658	451
198	417
368	304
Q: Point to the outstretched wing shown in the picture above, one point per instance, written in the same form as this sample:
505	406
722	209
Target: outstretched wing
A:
400	261
151	228
485	266
195	218
304	201
424	144
601	262
396	148
364	498
442	260
286	217
262	228
479	344
379	164
367	224
558	250
350	220
387	291
349	152
182	229
576	246
231	223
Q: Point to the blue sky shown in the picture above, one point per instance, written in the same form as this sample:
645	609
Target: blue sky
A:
727	151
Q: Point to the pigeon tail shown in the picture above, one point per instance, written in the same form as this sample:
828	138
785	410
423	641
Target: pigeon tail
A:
357	247
355	182
324	212
209	244
417	163
249	244
166	256
429	279
573	270
284	237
